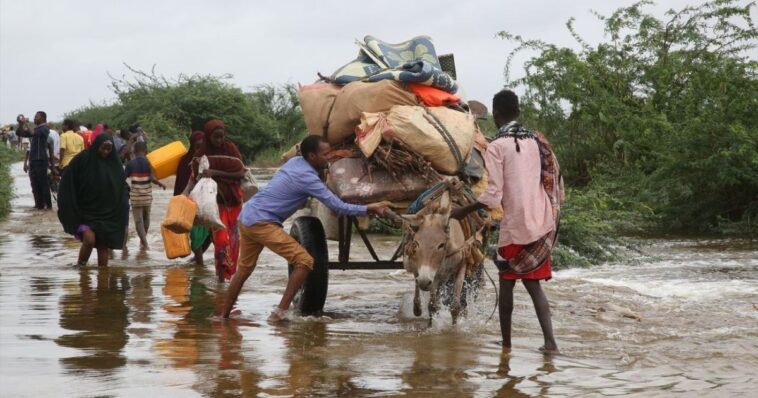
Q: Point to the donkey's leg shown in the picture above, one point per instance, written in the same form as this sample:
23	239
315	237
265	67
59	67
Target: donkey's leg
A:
433	301
417	301
455	305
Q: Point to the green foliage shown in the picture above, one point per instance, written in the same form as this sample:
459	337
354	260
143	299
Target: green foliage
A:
7	156
169	110
661	114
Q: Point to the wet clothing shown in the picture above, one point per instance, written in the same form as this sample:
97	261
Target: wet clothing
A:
544	272
226	243
226	158
141	220
93	192
40	184
140	182
272	236
199	235
288	190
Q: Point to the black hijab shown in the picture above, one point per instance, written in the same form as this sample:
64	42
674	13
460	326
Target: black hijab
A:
91	192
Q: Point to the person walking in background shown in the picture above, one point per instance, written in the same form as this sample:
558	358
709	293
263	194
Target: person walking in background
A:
23	132
71	144
86	135
200	236
54	139
91	200
37	161
13	139
227	169
141	178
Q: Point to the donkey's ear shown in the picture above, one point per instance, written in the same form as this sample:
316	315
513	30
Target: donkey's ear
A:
445	204
413	220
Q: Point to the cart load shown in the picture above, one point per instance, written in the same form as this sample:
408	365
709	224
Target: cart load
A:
401	132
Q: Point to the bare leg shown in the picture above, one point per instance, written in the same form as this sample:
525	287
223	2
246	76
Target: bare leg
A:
139	225
296	280
88	243
103	254
235	286
542	307
506	310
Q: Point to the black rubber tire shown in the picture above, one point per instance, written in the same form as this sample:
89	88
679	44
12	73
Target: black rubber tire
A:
309	232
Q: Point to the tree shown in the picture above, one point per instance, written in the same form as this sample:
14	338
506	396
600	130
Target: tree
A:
662	113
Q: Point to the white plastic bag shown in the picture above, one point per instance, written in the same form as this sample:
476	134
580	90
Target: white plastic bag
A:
204	194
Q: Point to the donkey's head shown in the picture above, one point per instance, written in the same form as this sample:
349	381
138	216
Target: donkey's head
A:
427	242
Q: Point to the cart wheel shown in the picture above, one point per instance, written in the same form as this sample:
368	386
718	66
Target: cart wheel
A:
309	233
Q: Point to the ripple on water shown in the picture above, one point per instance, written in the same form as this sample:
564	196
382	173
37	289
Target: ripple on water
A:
680	320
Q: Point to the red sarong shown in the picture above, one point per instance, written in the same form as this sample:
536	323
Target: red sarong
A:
544	272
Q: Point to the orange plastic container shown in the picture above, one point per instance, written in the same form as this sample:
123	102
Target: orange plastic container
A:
180	214
175	245
165	160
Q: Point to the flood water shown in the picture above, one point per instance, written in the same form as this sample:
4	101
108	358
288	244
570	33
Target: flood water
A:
680	320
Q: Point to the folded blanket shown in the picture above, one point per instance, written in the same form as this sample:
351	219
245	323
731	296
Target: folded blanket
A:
413	61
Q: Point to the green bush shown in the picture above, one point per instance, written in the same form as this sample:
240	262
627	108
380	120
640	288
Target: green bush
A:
7	156
661	114
169	110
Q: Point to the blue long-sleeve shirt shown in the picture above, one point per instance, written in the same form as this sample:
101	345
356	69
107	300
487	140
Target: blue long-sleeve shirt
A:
288	190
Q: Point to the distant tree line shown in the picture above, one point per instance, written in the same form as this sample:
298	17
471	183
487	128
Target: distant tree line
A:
169	109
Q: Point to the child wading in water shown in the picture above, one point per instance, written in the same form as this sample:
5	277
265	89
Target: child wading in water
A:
140	178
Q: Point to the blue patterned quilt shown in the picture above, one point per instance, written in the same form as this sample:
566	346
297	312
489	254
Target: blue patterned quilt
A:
412	61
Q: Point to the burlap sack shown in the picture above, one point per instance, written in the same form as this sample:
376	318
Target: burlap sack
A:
316	101
358	97
415	127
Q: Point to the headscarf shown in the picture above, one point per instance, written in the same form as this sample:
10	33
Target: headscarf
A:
100	128
184	171
91	193
225	158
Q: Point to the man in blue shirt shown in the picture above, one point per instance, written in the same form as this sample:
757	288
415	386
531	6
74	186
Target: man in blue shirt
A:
38	159
262	217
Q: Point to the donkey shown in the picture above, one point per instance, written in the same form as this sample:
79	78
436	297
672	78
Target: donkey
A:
435	252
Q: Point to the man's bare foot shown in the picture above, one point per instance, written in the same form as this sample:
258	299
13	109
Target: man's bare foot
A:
144	246
278	315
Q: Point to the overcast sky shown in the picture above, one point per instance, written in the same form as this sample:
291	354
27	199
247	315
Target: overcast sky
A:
56	55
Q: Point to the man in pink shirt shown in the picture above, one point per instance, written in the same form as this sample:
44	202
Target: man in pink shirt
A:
514	162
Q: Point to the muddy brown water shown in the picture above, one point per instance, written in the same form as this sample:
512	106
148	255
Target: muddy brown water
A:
680	320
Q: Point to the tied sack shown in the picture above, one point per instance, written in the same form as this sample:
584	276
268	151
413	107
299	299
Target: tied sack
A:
180	214
204	194
249	185
335	114
442	136
316	101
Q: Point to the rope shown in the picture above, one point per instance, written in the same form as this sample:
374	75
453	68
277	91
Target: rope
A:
497	295
435	122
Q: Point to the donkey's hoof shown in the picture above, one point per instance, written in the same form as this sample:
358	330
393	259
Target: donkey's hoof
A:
417	309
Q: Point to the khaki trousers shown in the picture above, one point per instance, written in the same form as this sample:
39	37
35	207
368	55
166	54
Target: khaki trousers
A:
272	236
